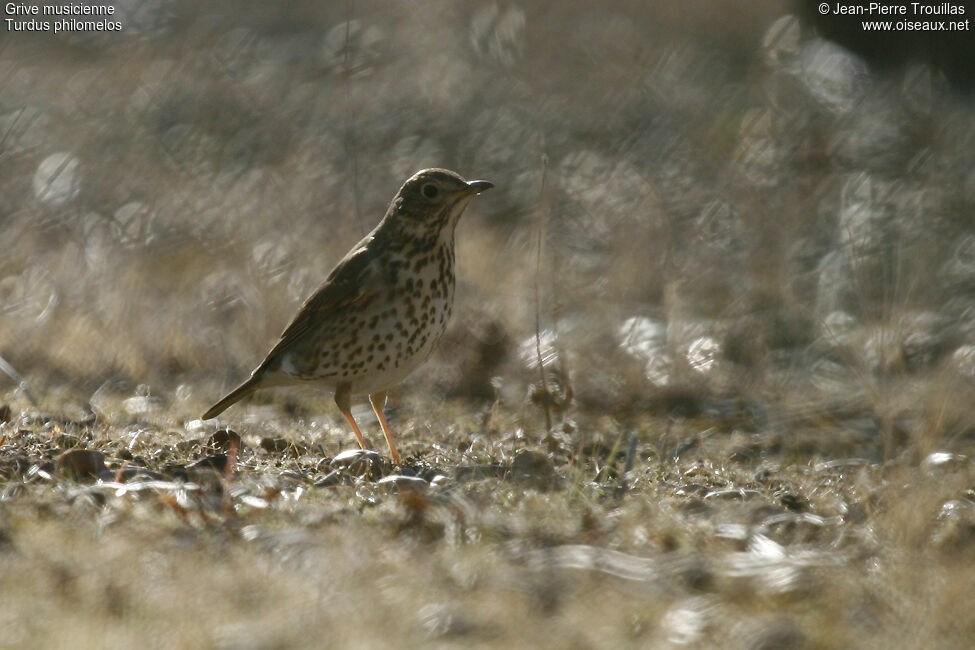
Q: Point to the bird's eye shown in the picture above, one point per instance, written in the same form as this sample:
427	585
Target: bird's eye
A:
430	191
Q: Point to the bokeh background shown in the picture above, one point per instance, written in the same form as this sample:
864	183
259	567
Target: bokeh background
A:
728	206
711	373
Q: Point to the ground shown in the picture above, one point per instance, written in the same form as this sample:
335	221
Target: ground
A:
711	538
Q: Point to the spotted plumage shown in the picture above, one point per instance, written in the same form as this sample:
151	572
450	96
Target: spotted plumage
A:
382	309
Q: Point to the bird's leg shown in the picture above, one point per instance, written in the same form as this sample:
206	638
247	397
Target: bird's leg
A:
344	403
378	401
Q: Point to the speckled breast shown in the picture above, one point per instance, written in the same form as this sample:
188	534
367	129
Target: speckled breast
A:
393	333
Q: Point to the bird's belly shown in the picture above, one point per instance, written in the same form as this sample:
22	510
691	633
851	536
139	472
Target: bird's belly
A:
381	380
379	349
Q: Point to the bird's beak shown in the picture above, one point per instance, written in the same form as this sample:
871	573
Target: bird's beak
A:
476	187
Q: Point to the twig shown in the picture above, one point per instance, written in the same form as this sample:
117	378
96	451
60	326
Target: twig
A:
351	146
542	218
11	372
624	483
228	474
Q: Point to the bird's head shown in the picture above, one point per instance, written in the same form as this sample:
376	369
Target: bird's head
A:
432	200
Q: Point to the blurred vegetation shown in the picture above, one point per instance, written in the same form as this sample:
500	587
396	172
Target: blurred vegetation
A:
721	192
757	248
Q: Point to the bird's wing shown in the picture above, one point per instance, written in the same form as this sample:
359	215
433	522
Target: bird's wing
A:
349	283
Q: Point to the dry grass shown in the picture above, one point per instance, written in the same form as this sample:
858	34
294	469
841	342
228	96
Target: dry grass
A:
726	540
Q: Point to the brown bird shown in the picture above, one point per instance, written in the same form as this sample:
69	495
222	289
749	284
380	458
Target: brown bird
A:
383	308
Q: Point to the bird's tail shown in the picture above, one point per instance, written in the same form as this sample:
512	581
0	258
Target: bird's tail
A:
233	396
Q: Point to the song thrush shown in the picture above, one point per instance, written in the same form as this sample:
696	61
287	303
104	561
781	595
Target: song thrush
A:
382	309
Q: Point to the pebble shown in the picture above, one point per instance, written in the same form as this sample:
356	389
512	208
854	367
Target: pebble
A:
333	478
216	462
275	445
358	462
223	438
400	483
439	481
532	466
942	459
290	479
81	463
